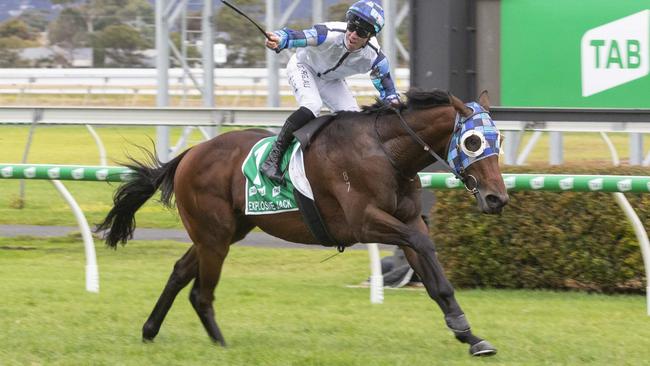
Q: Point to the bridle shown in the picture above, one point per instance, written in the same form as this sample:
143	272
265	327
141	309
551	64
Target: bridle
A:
469	181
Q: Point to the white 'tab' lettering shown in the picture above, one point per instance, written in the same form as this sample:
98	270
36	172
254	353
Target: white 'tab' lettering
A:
615	53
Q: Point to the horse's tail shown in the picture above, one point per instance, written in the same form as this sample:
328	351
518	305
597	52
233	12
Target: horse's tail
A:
146	179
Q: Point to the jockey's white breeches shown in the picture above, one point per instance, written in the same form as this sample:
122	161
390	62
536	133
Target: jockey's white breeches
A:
313	92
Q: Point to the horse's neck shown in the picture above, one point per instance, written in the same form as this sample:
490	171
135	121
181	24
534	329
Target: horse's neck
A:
434	126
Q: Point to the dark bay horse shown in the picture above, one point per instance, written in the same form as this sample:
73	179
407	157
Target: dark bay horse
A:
363	171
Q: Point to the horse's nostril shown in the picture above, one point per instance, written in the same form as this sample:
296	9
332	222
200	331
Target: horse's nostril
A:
494	201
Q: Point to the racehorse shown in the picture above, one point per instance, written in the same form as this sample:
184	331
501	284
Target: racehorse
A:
363	171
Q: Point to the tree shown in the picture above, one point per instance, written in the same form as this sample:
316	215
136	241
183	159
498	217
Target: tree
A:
338	10
245	44
137	9
17	28
36	19
102	13
9	57
69	29
14	35
121	44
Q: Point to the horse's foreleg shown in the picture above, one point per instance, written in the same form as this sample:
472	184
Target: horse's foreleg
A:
379	226
427	266
185	269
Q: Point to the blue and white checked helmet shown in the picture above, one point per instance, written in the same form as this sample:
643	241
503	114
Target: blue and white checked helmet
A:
371	12
475	138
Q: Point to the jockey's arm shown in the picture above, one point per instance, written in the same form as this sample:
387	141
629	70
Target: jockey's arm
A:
289	38
382	80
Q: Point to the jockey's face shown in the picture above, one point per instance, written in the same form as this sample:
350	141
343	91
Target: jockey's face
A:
354	42
358	33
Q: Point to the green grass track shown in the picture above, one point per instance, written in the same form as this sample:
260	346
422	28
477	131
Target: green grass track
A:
283	307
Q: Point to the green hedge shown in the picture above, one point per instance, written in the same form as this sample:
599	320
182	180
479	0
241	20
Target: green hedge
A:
543	239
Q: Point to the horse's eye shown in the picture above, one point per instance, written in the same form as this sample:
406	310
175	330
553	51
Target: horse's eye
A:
473	143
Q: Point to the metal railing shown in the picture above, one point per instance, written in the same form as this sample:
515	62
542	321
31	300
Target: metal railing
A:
513	121
508	118
227	81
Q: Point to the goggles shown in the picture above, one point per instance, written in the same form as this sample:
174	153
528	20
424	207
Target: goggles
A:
363	29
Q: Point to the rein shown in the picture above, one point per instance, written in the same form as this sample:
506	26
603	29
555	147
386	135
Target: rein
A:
390	159
474	187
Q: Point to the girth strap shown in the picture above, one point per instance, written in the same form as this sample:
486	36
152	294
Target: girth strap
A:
314	221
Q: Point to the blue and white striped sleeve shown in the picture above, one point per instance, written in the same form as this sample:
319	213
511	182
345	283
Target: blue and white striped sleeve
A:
381	79
290	38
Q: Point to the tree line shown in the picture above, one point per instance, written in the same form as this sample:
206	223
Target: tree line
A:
114	29
118	31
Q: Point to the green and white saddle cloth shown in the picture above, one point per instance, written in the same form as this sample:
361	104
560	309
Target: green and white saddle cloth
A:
263	196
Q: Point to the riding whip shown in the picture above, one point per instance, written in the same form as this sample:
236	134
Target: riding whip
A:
240	12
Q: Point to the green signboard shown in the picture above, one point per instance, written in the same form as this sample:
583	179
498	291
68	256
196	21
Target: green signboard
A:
575	53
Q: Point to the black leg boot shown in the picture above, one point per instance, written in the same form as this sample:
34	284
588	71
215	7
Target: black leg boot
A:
271	166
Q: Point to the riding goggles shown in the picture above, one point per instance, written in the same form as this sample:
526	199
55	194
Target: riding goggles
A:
363	29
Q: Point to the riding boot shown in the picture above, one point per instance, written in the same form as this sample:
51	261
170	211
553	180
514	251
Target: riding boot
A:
271	166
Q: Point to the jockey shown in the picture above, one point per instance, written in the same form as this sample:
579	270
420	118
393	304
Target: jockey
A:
327	54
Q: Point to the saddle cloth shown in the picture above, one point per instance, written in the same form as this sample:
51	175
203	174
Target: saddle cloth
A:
263	196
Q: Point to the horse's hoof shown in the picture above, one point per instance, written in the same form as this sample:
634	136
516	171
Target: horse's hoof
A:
220	342
482	348
149	332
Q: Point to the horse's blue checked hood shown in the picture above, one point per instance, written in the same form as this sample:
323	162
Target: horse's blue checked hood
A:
475	138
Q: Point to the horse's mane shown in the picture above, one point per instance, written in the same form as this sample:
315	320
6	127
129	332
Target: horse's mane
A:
421	99
417	99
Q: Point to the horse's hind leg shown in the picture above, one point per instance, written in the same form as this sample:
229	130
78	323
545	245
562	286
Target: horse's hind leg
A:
184	270
243	229
211	256
211	275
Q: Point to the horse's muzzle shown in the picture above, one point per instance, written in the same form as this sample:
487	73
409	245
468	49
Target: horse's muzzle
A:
494	203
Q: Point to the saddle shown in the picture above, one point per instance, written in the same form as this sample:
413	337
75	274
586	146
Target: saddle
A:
307	133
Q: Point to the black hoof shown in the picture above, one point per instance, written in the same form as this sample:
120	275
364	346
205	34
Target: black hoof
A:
482	348
149	333
220	342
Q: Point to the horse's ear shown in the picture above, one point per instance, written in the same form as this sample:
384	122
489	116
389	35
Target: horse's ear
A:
460	106
484	100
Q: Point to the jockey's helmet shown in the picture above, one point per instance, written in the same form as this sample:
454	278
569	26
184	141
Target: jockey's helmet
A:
366	14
